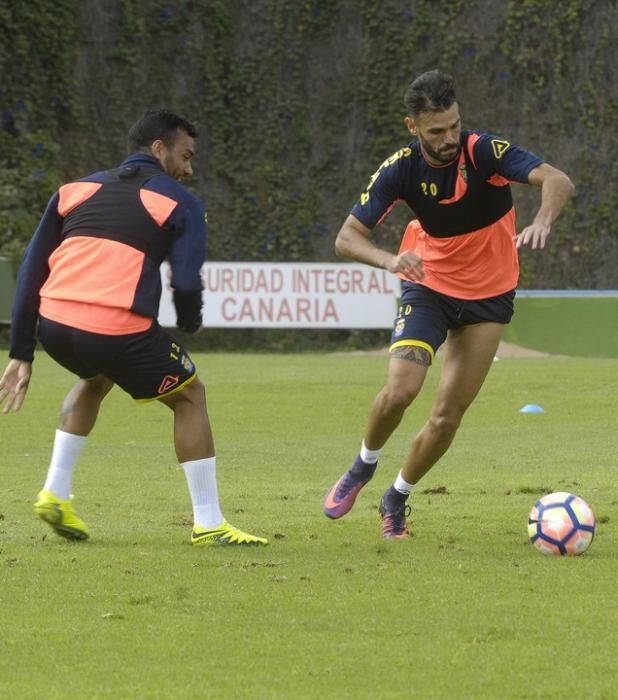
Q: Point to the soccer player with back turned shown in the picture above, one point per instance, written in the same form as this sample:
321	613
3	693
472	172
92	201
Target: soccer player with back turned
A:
459	266
91	281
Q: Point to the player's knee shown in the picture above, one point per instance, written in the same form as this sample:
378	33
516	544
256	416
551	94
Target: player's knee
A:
95	389
445	423
399	397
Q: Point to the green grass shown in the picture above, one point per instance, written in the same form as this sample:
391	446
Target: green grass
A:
584	326
464	609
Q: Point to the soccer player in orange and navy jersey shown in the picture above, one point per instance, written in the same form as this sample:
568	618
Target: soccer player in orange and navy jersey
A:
90	280
459	266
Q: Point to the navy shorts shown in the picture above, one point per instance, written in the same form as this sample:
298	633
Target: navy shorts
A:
147	365
425	316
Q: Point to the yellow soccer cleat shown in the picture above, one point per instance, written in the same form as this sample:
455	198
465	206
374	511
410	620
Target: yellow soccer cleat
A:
61	516
225	534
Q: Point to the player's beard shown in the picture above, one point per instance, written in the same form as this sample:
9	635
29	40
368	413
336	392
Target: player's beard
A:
441	156
170	167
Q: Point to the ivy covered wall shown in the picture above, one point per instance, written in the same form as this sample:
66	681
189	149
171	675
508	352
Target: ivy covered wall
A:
299	101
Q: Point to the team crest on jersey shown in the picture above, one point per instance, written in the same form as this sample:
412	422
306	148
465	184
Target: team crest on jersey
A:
400	325
499	147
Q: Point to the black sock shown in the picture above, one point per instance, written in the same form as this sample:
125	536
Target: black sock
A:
362	469
394	498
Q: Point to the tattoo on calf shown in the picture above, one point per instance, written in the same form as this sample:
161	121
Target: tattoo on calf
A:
413	353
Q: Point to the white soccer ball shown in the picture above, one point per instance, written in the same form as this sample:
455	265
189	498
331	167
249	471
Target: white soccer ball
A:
561	523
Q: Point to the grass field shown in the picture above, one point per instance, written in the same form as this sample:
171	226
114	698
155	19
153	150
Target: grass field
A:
466	608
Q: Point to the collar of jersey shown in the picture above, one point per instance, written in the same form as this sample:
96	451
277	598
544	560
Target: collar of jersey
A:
142	159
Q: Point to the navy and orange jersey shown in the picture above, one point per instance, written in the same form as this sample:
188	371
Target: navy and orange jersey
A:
465	221
94	260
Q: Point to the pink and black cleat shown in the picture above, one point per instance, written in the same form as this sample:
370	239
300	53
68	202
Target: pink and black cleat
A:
340	499
394	524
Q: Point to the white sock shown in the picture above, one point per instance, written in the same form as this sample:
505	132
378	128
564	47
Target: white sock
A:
202	481
67	448
369	456
403	486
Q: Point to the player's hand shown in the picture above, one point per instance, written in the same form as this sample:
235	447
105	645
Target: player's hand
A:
409	265
14	384
535	234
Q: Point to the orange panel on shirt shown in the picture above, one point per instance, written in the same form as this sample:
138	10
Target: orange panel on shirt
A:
157	205
461	186
474	265
472	139
94	271
74	194
93	318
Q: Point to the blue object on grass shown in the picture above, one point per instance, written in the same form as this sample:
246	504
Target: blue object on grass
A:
532	408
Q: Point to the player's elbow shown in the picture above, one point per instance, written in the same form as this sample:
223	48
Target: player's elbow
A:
565	183
352	236
343	243
340	246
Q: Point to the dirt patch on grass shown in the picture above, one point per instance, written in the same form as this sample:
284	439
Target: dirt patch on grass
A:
506	350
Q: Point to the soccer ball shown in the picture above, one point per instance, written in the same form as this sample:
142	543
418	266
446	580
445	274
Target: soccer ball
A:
561	523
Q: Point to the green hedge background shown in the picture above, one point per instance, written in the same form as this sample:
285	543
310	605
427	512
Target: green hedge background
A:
299	101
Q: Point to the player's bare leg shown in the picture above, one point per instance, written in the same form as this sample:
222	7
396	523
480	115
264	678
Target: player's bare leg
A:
468	356
407	370
469	353
192	432
406	373
80	409
195	450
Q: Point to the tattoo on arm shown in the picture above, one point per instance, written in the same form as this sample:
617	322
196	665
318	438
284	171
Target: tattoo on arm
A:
413	353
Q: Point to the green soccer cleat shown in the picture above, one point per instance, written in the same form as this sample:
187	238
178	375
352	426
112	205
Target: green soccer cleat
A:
61	516
225	534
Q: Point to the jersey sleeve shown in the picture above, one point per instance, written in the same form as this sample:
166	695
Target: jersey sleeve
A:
495	155
32	274
187	255
383	190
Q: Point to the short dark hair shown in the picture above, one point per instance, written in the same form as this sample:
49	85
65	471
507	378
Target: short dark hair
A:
432	91
157	124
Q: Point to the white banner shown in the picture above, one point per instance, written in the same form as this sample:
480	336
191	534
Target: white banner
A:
291	295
